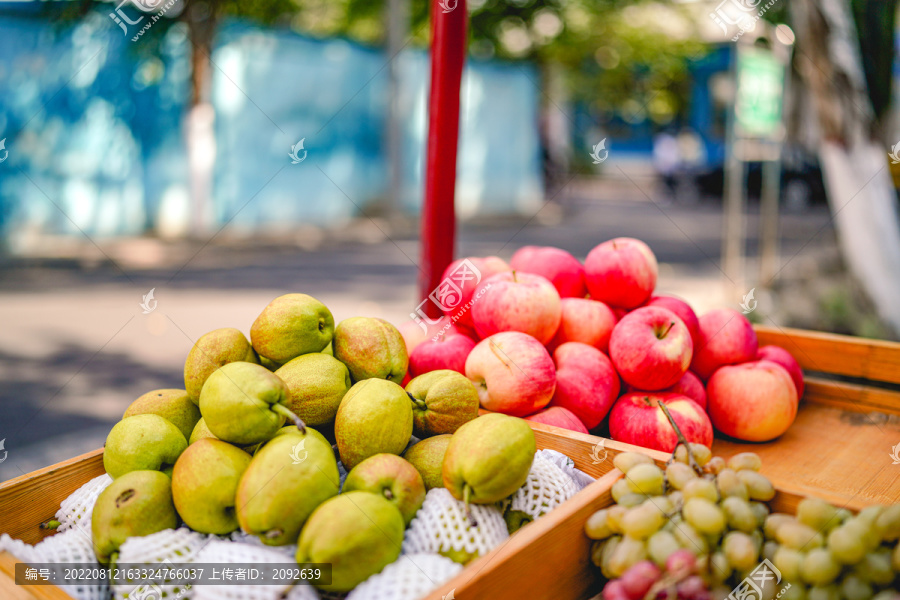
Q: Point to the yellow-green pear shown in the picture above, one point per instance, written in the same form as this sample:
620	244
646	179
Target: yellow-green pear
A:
489	458
292	325
200	432
244	404
374	417
213	350
317	383
371	348
427	457
287	479
173	405
443	401
329	349
142	443
358	533
392	477
136	504
292	430
204	485
269	364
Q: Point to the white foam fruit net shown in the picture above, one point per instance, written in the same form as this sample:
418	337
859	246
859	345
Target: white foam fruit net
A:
73	546
242	556
411	577
167	547
546	488
567	465
441	525
76	510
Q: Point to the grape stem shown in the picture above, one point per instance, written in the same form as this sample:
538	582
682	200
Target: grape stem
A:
681	440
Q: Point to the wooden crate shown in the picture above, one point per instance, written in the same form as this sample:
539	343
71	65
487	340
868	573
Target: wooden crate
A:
838	449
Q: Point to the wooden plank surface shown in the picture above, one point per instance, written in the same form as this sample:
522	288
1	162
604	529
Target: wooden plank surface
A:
839	354
843	456
10	591
32	499
850	396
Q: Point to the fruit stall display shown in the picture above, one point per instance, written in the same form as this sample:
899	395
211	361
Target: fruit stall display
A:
360	443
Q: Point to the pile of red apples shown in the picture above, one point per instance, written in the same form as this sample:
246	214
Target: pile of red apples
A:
591	347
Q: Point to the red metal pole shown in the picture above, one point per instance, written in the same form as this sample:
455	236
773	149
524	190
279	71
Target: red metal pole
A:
438	232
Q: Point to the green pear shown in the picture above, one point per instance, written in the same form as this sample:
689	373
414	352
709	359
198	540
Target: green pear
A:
427	457
374	417
136	504
173	405
213	350
359	533
270	364
489	458
329	349
371	348
292	325
442	402
243	403
291	430
317	383
392	477
287	479
200	432
516	520
142	443
204	485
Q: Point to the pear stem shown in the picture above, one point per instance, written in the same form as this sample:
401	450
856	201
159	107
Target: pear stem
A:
466	493
284	411
681	440
50	525
420	404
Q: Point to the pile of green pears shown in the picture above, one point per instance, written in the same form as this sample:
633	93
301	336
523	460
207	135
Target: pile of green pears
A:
253	439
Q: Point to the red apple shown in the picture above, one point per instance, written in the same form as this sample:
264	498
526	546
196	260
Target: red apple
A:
621	272
443	352
562	269
619	313
512	372
458	276
689	385
415	332
558	417
779	355
637	419
726	338
584	320
586	382
753	401
651	348
518	302
681	309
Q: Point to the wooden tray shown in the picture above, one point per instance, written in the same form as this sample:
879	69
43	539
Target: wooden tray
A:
839	449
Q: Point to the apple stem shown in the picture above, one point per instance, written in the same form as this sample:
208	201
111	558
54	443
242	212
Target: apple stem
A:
284	411
666	332
681	440
466	492
50	525
515	280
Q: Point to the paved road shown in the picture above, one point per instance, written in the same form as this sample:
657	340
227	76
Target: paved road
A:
75	348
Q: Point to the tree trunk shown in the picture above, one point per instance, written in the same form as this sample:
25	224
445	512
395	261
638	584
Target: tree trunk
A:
855	165
200	121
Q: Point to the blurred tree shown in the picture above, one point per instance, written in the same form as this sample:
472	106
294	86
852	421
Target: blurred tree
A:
627	59
844	55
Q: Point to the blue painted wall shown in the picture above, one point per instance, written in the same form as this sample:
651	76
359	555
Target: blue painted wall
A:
94	125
